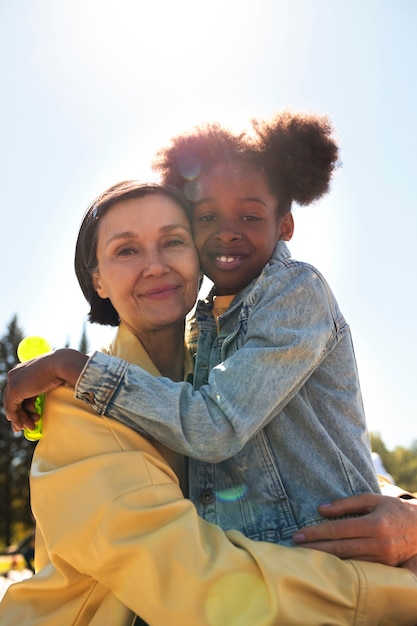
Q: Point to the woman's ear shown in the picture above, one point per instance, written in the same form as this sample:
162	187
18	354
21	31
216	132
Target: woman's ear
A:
98	287
286	227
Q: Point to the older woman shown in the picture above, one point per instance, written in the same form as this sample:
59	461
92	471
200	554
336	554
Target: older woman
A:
115	537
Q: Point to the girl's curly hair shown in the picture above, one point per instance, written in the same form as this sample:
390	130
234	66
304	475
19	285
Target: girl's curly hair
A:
296	152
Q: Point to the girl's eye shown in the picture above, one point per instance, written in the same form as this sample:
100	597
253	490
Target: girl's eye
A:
209	217
174	242
251	218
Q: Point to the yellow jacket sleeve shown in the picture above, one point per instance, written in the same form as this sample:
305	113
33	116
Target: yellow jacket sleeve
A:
122	540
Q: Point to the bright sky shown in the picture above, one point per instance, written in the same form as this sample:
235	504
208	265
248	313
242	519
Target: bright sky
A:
92	88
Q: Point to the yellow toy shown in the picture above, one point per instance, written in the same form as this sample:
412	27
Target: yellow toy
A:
29	348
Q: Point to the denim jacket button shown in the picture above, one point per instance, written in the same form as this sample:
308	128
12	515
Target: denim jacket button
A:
207	496
88	397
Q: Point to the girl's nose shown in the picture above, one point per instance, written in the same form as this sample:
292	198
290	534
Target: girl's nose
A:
228	232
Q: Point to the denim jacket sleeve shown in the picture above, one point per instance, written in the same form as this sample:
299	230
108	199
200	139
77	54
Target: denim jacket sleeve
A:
292	325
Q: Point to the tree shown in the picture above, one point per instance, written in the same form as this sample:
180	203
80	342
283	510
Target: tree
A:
404	467
83	342
15	454
401	462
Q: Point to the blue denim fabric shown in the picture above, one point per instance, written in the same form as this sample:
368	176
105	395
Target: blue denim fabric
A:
277	424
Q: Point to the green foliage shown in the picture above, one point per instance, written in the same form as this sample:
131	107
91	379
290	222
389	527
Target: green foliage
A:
15	454
83	347
401	462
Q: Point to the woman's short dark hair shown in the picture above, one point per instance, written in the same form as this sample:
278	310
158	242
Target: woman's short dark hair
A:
101	310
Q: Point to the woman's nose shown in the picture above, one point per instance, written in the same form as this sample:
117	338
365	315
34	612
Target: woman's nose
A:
154	264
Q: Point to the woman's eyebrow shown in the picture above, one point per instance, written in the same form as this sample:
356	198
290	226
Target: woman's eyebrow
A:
130	234
170	227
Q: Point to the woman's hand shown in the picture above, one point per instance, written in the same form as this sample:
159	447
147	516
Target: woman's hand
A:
27	380
384	530
411	564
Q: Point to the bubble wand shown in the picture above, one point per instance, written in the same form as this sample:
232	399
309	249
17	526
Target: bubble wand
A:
29	348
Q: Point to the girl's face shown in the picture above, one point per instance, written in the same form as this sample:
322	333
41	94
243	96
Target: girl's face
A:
236	226
147	262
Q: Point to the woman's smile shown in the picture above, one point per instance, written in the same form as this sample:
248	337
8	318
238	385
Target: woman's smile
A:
161	292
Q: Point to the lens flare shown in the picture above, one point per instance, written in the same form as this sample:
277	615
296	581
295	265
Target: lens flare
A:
233	494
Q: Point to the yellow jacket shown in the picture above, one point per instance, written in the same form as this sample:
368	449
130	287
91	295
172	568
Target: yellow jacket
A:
115	537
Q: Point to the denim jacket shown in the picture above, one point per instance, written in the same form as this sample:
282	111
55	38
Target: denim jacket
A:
275	424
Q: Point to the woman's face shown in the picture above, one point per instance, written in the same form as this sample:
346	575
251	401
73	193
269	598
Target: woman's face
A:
147	263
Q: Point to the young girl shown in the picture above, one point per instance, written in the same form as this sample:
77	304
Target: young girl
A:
274	425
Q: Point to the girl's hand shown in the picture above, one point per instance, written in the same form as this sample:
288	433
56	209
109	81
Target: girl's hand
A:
27	380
